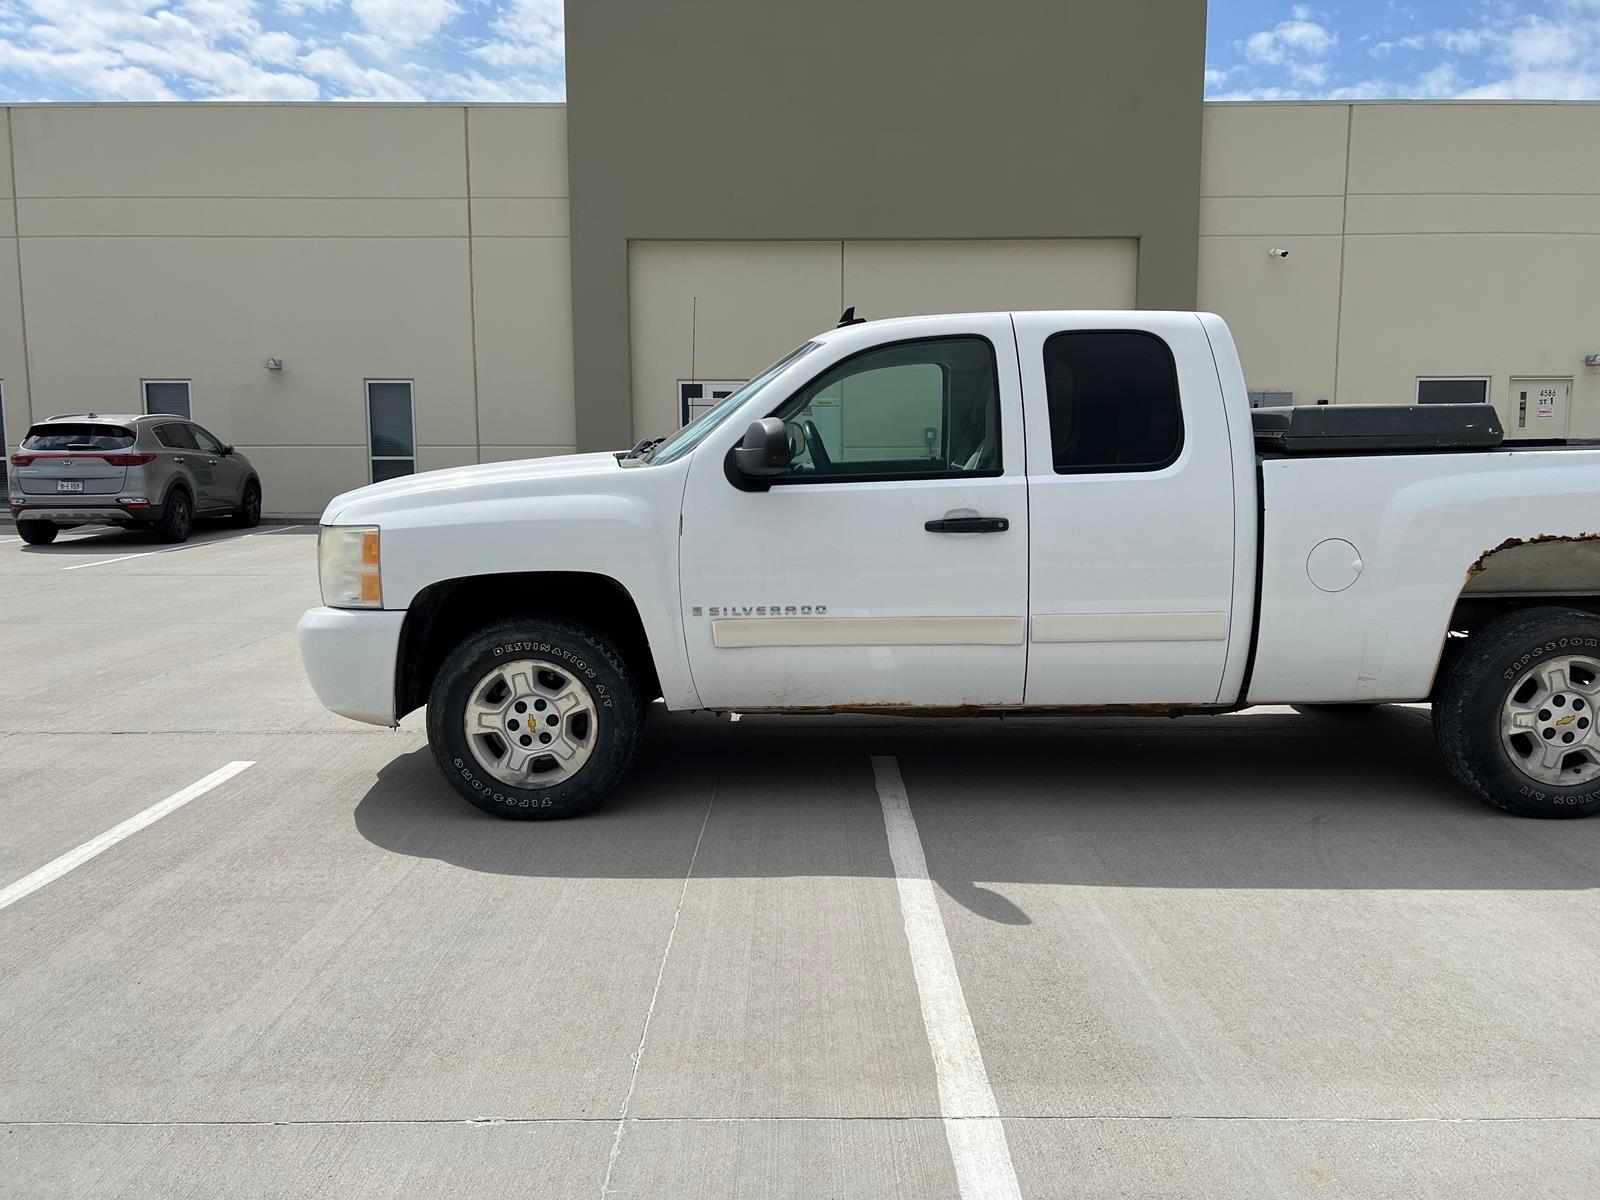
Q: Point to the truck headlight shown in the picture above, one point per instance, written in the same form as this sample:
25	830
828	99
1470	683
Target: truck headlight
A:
348	566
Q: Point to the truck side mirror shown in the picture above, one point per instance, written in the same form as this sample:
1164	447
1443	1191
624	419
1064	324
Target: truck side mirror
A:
764	450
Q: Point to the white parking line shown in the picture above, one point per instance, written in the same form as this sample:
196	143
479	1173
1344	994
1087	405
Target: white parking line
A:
56	868
101	562
972	1126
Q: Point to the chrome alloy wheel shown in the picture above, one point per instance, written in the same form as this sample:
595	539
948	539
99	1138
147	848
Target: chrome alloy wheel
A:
1547	723
530	723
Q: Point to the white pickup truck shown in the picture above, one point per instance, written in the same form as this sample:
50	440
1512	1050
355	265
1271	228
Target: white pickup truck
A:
1031	512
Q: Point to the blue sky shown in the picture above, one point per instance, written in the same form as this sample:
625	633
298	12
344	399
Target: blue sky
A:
512	49
1432	49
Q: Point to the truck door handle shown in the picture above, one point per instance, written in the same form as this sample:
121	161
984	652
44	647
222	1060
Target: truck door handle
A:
968	525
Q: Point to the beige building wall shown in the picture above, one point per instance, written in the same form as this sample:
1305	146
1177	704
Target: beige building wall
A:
13	363
1429	239
425	243
725	310
692	314
431	243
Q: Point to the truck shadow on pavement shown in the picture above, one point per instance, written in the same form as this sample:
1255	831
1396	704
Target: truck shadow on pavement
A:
1265	799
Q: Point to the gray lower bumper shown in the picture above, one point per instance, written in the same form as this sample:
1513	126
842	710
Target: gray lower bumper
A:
51	510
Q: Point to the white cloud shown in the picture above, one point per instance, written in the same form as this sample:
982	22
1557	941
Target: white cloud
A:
92	72
357	82
1440	83
1531	49
152	50
1461	41
1261	93
532	35
1297	38
405	23
1539	43
1549	57
1367	89
1542	85
1414	42
277	48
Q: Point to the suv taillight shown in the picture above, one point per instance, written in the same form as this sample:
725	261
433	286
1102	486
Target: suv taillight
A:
129	460
22	460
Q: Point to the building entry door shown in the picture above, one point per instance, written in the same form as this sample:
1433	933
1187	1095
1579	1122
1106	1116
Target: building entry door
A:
1540	408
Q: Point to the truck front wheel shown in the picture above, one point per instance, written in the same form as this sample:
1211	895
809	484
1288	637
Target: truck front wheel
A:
534	719
1515	713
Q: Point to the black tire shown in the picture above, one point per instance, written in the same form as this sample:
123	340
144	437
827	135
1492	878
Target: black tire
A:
177	517
249	514
592	661
38	533
1475	685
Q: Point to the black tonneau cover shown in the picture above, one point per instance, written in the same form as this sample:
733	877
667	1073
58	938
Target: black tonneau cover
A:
1375	428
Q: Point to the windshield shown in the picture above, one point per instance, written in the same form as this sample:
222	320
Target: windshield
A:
692	434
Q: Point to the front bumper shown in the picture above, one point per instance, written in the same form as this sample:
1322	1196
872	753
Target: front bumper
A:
349	656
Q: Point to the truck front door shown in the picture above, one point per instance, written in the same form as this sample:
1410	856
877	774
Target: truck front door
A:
1132	496
889	565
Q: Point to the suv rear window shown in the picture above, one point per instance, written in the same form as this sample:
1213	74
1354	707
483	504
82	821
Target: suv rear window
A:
77	435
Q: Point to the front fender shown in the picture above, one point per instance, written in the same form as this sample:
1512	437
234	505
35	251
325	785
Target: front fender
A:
626	530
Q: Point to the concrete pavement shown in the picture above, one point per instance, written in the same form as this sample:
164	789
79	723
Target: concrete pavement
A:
1268	954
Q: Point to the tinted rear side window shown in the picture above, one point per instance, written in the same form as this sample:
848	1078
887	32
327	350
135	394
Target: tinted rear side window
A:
1113	398
77	435
176	437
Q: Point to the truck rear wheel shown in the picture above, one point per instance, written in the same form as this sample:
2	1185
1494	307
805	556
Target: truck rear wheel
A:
1515	713
534	719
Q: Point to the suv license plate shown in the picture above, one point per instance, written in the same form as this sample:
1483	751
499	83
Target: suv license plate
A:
69	485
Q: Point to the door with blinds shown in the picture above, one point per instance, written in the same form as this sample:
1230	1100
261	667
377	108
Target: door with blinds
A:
391	429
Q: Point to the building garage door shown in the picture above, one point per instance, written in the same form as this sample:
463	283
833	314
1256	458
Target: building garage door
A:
704	314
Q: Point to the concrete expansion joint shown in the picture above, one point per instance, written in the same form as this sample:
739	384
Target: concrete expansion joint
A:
856	1118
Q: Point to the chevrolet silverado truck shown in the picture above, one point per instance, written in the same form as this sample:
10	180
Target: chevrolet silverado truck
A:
997	513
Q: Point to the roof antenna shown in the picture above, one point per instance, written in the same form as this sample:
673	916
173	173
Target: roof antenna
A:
850	318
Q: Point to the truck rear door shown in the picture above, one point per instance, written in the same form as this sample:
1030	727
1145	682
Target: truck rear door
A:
1132	521
888	567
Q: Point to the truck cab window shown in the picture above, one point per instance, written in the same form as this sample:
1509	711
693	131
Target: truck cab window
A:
1113	397
927	408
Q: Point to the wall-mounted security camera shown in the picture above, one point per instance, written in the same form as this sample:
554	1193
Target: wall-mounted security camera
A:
1591	360
274	364
1278	252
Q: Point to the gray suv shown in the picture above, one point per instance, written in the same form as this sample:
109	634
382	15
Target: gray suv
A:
143	472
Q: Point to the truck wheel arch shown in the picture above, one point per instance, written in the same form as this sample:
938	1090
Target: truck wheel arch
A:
446	612
1558	570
